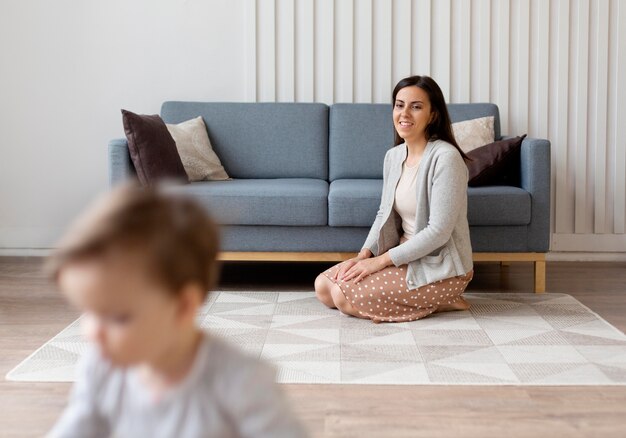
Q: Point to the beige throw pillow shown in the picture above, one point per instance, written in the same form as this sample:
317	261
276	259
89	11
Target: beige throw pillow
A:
474	133
194	147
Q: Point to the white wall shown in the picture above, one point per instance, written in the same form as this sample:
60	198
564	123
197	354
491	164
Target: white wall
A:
69	66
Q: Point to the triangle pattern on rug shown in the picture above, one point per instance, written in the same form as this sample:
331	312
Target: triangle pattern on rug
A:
577	375
300	352
488	355
495	324
552	337
304	321
451	337
284	297
245	309
614	373
448	321
213	321
352	335
574	338
563	316
433	353
243	297
509	335
77	348
324	335
322	372
445	374
328	353
380	353
288	337
383	372
500	372
401	338
595	328
504	339
603	354
540	354
535	372
534	321
286	374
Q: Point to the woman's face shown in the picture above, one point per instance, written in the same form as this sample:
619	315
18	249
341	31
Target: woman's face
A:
412	113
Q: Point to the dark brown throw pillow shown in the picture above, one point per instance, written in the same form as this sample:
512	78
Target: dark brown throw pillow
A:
496	164
152	149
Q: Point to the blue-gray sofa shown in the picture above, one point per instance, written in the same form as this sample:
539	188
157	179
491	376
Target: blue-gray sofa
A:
307	180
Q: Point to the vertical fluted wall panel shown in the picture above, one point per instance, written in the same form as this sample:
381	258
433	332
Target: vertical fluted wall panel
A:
598	105
555	68
324	51
285	50
266	50
305	50
344	51
402	40
617	62
460	77
480	61
382	28
363	32
421	36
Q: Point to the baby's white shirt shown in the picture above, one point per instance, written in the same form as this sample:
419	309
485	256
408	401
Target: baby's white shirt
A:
226	394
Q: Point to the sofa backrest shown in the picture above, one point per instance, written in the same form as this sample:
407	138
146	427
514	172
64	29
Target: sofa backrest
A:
361	134
262	140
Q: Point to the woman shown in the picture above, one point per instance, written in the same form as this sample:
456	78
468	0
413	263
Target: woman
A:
417	258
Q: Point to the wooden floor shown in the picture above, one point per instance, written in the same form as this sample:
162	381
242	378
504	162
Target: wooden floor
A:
31	312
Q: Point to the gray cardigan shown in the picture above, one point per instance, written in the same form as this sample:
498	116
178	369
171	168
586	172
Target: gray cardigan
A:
441	247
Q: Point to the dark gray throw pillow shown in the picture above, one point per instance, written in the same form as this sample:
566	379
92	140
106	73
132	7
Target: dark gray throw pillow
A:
496	163
152	149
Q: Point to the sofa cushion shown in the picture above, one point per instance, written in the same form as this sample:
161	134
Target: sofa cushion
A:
152	149
195	150
467	111
358	139
353	202
498	205
497	163
473	133
262	140
287	201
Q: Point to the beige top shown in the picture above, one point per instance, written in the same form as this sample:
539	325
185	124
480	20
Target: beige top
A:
405	202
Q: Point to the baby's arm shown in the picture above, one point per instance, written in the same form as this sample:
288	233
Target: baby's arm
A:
81	417
259	407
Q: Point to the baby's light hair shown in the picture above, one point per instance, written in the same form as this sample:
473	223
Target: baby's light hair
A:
172	234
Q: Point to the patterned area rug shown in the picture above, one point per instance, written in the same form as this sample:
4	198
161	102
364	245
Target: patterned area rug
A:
504	339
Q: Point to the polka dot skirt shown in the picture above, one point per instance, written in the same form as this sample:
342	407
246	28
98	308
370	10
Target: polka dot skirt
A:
384	295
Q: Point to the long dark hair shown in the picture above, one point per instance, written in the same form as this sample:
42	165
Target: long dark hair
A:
441	126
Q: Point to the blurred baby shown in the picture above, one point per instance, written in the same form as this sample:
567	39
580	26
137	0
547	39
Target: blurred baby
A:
139	264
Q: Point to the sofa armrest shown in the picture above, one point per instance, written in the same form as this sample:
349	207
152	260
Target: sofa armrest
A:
121	167
535	179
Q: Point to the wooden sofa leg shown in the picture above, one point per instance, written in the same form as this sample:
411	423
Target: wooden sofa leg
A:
540	276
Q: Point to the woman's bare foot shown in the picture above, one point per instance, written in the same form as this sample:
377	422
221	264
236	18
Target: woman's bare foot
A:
460	304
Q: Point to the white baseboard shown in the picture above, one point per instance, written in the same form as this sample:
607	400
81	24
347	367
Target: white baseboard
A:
25	252
575	256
